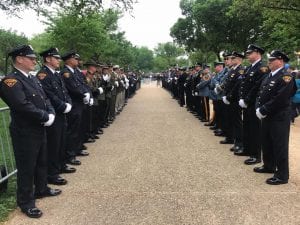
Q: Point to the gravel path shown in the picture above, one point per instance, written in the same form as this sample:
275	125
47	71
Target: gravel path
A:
157	164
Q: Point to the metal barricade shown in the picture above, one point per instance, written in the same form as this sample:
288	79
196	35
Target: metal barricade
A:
7	160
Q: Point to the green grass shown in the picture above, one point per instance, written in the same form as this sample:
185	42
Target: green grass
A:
7	199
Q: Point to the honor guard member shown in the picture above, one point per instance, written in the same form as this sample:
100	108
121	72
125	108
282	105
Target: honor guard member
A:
181	81
273	109
31	112
250	85
215	96
196	97
79	97
92	82
231	98
57	93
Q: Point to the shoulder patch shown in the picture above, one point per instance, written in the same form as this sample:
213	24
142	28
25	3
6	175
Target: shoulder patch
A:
41	76
66	75
10	82
264	69
287	78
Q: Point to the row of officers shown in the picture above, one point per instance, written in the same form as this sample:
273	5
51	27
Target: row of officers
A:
54	113
251	105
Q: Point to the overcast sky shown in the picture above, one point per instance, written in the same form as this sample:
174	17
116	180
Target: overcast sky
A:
149	24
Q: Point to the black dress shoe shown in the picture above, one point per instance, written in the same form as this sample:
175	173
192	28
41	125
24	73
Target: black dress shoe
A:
276	181
213	127
68	169
74	161
83	147
233	148
82	153
220	134
252	160
49	193
99	132
226	141
209	124
90	140
262	169
204	120
32	212
240	152
57	181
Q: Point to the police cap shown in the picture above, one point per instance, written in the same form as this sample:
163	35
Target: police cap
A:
71	54
218	63
237	54
50	52
23	50
277	54
254	48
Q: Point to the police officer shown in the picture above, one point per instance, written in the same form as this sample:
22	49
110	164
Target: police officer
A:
31	112
250	85
79	97
273	109
57	93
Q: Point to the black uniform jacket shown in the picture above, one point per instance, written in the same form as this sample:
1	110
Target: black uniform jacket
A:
275	93
29	106
55	89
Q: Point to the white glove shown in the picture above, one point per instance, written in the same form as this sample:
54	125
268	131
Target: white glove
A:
259	115
100	90
127	85
216	90
50	120
105	77
86	98
225	100
91	102
68	108
185	84
175	78
117	83
112	88
122	82
242	103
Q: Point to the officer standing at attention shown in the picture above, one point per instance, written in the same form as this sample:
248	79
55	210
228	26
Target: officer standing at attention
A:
273	108
250	85
31	113
79	97
57	93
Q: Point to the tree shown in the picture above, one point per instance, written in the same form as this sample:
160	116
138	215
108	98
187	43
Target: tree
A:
9	40
42	5
208	26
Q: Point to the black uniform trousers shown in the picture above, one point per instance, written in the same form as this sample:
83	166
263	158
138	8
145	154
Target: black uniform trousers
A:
227	126
251	132
181	96
102	112
197	105
218	113
237	125
189	99
56	145
85	125
74	141
30	149
107	109
275	143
